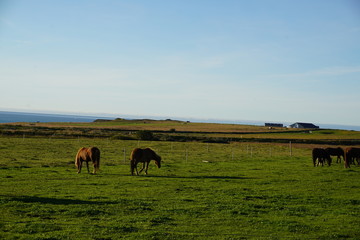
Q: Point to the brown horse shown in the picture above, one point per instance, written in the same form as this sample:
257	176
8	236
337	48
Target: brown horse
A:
351	153
339	152
88	154
321	155
144	156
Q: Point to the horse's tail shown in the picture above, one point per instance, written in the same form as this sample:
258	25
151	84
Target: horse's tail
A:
314	157
132	159
133	153
77	159
347	158
328	158
342	152
133	156
132	167
95	157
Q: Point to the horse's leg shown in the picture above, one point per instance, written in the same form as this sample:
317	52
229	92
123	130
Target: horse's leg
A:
94	171
347	160
79	166
134	168
319	161
87	165
147	166
143	166
137	173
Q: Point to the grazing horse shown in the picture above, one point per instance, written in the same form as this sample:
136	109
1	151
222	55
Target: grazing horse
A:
321	155
88	154
144	156
351	153
339	152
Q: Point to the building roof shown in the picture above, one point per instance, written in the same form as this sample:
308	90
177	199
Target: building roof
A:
304	125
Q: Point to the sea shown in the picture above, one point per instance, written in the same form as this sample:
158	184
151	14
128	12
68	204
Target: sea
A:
13	117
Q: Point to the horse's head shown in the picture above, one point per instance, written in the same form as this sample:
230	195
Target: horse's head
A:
329	159
158	161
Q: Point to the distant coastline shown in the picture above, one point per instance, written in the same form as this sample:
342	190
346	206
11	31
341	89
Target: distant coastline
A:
12	116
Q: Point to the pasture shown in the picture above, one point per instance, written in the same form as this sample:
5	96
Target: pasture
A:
202	191
172	130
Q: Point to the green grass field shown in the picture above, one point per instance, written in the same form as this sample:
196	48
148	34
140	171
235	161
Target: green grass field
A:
202	191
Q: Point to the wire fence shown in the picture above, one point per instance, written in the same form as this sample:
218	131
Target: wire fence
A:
117	152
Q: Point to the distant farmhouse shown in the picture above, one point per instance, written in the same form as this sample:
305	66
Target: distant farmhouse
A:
274	125
303	125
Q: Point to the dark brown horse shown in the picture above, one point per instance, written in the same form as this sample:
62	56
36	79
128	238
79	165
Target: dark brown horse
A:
144	156
339	152
351	153
321	155
86	155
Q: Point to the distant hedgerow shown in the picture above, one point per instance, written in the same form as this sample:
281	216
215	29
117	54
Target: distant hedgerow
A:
145	135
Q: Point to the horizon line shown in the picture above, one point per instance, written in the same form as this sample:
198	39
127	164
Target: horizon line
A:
113	116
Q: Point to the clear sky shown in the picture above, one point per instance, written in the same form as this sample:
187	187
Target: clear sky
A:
271	60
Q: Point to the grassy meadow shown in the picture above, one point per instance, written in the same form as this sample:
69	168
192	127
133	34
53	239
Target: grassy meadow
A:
202	191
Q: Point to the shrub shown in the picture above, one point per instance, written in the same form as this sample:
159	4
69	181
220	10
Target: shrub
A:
145	135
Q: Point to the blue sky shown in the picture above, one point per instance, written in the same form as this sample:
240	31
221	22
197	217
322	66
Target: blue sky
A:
280	60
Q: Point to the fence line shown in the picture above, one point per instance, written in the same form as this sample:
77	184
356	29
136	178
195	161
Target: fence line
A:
192	152
116	151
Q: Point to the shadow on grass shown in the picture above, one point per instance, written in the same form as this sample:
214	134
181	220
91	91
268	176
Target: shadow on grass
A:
57	201
197	177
